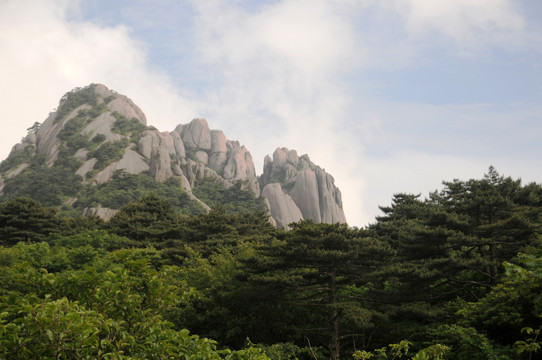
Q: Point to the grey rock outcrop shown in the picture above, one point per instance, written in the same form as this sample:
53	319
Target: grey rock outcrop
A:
149	140
306	195
197	135
17	170
299	185
86	168
282	207
210	154
47	141
160	167
103	140
103	124
103	212
131	162
120	103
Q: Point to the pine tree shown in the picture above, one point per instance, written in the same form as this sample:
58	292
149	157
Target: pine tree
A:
319	273
149	219
24	219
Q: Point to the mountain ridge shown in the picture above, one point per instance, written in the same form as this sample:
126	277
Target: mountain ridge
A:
98	141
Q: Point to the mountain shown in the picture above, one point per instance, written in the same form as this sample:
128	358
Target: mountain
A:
96	153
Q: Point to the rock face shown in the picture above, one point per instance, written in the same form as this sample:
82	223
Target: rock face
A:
99	133
298	189
282	207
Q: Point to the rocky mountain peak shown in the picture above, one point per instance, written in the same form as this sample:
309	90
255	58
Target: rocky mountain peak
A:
98	139
296	189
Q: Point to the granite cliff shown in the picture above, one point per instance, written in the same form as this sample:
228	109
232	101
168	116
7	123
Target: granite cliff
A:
96	147
295	188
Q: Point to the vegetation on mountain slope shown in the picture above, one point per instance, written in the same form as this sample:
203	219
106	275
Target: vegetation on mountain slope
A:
454	276
86	136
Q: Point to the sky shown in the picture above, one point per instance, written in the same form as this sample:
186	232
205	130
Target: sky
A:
388	96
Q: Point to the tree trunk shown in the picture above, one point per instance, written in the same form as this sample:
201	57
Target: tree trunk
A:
494	269
333	318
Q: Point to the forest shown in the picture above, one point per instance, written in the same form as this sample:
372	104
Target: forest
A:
455	275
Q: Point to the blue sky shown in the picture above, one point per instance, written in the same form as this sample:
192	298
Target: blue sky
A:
388	96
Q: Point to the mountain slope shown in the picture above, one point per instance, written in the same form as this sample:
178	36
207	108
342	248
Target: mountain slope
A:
96	153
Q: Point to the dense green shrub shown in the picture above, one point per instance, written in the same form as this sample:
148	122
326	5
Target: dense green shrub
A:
48	185
235	198
108	152
74	99
123	126
124	188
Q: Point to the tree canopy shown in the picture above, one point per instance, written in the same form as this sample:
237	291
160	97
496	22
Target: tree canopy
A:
456	275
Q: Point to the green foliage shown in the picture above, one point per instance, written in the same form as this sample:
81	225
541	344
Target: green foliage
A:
237	198
285	351
467	343
34	128
48	185
98	139
220	229
530	345
108	152
24	219
16	158
438	272
74	99
96	239
512	307
74	126
131	128
124	188
108	308
401	351
451	246
308	277
149	219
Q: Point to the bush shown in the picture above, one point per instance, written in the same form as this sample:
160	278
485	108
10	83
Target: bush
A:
74	99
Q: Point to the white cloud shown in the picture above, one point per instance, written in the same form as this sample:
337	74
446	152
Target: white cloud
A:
274	76
44	55
469	23
413	147
278	72
398	34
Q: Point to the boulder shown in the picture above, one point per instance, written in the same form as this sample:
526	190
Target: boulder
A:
202	157
330	198
160	166
103	212
197	135
218	142
169	141
239	164
178	144
217	161
148	140
282	207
